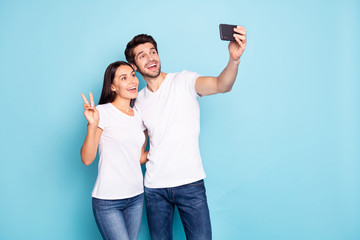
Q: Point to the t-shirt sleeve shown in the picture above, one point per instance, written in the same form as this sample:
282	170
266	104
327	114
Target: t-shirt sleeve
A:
102	120
136	108
190	79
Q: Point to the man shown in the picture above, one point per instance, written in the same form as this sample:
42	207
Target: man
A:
170	111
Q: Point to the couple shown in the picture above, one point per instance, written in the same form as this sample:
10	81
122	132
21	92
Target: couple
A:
167	112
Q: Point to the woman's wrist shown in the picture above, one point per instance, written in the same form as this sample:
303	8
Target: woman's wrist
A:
92	125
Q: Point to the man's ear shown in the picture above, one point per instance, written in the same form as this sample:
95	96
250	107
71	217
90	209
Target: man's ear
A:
134	66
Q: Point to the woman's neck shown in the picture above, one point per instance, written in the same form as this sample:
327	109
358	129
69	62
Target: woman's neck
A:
123	104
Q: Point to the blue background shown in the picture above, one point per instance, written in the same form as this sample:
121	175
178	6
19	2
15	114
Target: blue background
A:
281	150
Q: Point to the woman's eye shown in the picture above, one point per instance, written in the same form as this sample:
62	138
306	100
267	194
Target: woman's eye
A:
123	78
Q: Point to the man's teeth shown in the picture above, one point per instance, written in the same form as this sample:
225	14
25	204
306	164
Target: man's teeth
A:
152	65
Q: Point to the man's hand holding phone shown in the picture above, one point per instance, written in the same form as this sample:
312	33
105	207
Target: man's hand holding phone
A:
237	47
237	37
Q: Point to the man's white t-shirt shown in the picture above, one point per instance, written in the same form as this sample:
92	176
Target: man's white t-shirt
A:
172	118
119	171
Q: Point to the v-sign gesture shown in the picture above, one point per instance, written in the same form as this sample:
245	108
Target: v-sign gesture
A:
90	111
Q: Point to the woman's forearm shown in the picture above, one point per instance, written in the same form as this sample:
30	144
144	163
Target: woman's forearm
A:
89	148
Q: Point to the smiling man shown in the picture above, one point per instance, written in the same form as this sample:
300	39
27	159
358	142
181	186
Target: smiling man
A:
169	108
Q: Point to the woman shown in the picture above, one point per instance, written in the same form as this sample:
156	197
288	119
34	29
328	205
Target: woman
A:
117	130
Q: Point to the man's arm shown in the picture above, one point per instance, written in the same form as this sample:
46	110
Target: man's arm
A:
223	83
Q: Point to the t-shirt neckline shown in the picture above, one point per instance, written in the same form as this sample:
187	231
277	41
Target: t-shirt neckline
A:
122	113
161	86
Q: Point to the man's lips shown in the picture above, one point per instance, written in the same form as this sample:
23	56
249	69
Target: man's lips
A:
152	66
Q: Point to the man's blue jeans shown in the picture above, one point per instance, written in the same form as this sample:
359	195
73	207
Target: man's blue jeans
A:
191	202
119	219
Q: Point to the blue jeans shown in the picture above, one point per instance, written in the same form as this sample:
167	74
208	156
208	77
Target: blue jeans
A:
119	219
191	202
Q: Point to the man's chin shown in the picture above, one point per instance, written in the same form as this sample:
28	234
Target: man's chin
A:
150	75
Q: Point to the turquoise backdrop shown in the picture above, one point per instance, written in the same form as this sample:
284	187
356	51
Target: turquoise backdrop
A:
281	150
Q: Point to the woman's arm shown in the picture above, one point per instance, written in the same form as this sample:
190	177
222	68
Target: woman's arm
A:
143	158
89	148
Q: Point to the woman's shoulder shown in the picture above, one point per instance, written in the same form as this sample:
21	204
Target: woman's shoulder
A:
103	108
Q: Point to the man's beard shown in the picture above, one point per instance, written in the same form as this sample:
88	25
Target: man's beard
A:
147	75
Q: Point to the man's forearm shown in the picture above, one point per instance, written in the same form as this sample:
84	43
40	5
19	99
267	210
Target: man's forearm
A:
227	77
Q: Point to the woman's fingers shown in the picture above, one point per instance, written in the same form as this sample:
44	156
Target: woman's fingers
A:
91	100
84	98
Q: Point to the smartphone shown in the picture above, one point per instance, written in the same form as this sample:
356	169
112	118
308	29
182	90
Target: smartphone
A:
227	31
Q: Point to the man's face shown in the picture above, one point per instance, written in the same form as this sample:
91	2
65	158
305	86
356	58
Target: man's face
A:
147	61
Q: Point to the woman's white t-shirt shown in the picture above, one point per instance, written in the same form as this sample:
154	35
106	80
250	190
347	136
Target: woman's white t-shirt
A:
119	171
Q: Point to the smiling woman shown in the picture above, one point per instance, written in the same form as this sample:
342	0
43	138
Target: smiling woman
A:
117	130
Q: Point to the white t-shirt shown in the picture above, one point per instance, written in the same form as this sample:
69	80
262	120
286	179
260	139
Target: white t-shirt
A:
172	118
119	171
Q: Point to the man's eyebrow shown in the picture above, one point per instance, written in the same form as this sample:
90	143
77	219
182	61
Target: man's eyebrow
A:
139	53
153	48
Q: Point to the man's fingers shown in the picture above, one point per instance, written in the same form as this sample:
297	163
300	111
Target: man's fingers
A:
91	100
243	38
241	28
240	38
84	98
238	41
240	31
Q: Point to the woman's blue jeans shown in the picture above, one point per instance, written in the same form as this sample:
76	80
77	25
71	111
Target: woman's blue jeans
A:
191	202
119	219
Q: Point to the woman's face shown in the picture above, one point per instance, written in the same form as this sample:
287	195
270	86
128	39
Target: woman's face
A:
125	82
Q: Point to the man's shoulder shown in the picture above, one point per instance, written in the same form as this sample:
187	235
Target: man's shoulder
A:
185	74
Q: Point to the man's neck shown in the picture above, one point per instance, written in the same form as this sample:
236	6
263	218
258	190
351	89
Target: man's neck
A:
153	84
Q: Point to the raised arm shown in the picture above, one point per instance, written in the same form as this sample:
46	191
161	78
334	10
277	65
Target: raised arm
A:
89	148
143	158
224	82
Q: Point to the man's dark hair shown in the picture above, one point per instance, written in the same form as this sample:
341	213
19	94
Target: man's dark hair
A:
137	40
